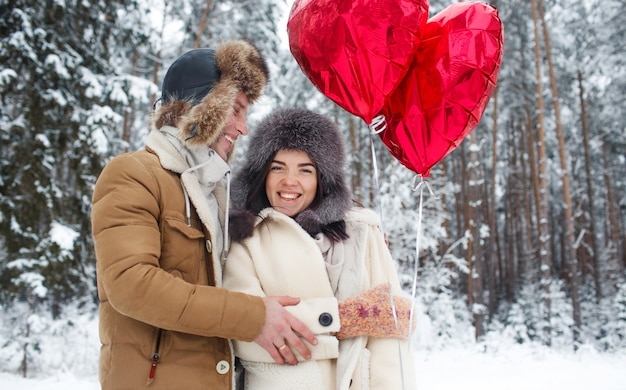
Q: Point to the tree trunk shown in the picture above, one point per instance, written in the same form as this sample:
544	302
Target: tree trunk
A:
357	181
458	195
129	112
202	24
534	175
508	275
446	241
157	61
567	200
474	251
544	233
494	246
527	218
512	216
614	228
590	191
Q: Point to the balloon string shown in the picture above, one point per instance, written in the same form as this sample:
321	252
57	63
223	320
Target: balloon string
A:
377	122
418	238
378	126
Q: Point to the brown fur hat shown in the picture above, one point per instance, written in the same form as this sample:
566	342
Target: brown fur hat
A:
200	88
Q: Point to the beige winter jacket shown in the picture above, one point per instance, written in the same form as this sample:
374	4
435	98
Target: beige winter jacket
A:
156	270
282	259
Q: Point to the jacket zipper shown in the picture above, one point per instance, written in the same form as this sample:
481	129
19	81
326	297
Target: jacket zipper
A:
155	359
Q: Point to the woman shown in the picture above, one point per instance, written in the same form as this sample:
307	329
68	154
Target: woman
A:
295	233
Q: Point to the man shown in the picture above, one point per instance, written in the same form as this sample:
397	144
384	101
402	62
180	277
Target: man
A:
158	224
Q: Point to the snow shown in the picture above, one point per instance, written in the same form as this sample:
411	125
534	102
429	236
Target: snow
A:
62	381
497	364
63	236
520	368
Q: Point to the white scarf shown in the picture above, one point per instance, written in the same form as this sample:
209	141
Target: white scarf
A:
209	168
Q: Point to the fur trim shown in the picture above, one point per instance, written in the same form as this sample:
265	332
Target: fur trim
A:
243	64
241	224
310	222
242	69
298	129
205	121
171	114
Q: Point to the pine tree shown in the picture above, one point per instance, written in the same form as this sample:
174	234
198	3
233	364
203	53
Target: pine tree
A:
62	95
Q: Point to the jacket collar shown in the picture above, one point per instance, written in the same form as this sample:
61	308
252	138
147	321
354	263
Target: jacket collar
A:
172	155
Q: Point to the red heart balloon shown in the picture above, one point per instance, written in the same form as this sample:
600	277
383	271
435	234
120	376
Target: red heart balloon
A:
356	52
446	90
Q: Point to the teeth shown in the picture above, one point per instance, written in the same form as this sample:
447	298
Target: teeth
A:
288	195
229	139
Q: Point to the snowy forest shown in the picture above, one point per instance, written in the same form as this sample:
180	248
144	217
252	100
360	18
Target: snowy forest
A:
523	231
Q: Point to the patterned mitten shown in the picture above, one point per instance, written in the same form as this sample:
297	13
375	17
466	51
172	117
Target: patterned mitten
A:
370	314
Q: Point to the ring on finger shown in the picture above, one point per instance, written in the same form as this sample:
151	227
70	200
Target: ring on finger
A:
282	347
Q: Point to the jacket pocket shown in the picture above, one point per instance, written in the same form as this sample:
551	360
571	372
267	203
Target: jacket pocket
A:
182	247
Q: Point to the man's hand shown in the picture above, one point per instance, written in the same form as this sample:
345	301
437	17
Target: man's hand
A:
282	331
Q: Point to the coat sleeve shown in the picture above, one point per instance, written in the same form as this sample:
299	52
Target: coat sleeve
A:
125	217
389	358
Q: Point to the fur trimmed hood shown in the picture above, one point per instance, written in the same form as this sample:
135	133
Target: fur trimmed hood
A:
292	129
200	88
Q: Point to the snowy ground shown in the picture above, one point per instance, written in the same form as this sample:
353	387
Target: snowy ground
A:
68	360
519	368
515	368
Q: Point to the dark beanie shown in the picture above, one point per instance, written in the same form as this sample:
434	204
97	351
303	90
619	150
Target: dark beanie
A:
191	77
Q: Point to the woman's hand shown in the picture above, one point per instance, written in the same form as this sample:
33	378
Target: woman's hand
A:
372	314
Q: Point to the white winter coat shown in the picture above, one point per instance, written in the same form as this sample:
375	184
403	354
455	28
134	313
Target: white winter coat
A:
283	259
